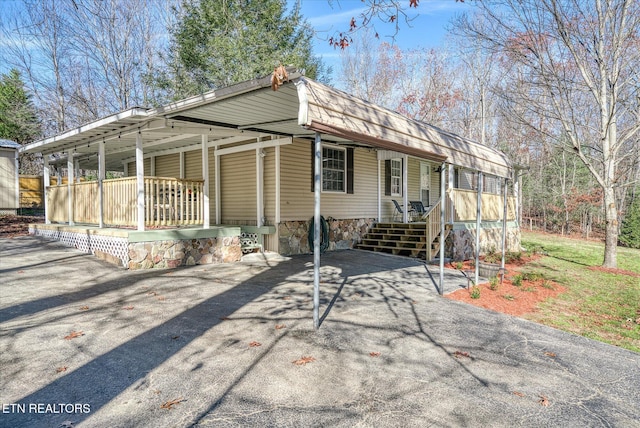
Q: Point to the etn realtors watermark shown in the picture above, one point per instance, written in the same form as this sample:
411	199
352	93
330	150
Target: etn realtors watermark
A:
46	408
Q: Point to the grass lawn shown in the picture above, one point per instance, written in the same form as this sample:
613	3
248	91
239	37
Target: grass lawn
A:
600	305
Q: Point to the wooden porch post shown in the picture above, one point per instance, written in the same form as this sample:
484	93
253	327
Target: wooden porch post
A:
140	180
70	181
450	187
101	176
46	183
205	175
478	221
217	167
259	185
379	192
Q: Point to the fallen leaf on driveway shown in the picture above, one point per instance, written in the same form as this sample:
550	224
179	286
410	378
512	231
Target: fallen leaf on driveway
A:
84	308
128	308
550	354
254	344
161	298
304	360
20	271
73	335
460	354
169	404
519	394
61	369
280	326
543	400
374	354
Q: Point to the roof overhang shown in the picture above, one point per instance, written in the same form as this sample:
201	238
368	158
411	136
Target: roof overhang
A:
243	112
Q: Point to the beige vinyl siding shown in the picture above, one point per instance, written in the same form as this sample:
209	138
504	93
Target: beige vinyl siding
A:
131	168
238	188
8	190
297	199
193	165
212	185
168	165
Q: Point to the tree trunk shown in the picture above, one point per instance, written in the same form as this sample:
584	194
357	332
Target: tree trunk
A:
611	229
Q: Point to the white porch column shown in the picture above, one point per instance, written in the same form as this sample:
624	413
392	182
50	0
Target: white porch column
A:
316	222
405	189
46	183
452	182
140	180
259	185
205	175
504	223
101	176
478	221
442	225
217	158
70	182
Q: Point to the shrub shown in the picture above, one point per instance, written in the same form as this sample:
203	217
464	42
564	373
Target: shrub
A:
475	292
517	280
493	283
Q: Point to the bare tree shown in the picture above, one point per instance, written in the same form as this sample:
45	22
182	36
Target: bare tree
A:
575	62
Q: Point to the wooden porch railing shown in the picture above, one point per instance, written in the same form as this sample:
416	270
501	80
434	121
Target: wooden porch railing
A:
167	202
465	205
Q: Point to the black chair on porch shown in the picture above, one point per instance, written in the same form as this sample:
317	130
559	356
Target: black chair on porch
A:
398	211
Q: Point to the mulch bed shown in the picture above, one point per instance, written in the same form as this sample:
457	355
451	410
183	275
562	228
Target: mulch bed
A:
17	225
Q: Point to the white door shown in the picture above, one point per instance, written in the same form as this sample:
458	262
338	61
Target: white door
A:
425	183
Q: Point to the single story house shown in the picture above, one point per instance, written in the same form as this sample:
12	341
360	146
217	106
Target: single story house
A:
236	169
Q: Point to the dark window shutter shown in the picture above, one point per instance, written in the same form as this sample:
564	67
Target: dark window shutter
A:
313	167
387	177
350	170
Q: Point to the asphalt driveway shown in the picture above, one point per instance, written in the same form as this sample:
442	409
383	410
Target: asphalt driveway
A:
84	343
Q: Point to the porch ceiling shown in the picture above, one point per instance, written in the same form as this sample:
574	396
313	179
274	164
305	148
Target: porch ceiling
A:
251	109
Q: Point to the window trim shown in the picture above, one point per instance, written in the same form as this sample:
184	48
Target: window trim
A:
344	170
398	177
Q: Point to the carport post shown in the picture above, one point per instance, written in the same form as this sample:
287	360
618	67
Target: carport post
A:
46	183
101	176
140	180
317	183
70	184
442	224
478	221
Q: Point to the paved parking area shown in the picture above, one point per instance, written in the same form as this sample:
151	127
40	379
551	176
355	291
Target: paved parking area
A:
220	342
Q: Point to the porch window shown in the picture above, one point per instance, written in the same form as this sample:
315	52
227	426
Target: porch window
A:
333	169
396	177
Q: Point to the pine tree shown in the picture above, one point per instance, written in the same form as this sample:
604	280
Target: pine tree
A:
630	230
219	43
18	118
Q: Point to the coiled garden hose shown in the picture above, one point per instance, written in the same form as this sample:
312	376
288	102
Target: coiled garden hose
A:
324	239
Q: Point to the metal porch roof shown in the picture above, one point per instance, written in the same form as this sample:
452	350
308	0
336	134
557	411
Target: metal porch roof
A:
251	109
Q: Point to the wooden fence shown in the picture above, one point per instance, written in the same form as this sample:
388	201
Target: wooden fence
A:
167	202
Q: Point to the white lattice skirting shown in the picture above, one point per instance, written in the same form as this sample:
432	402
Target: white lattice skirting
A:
115	246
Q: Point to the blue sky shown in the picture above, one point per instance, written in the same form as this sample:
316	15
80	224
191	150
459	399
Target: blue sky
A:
427	29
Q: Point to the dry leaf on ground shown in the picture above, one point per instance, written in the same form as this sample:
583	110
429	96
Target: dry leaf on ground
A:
543	400
519	394
128	308
460	354
550	354
374	354
169	404
254	344
61	369
304	360
280	326
73	335
84	308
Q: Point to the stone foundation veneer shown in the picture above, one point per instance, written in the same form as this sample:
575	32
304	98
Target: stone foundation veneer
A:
461	242
343	234
171	254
